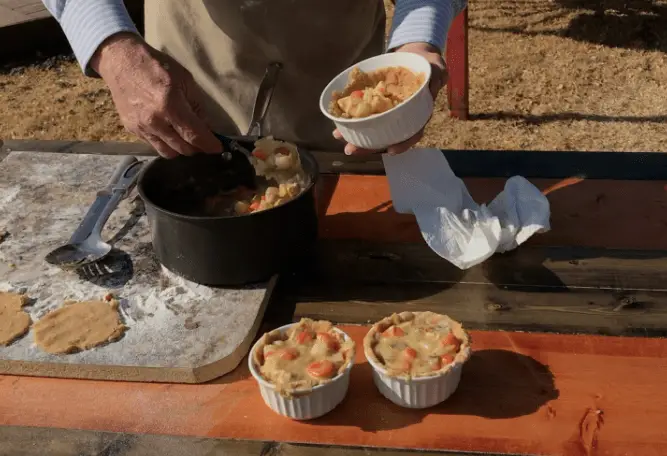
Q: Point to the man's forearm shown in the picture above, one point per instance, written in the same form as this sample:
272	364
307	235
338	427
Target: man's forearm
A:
88	23
425	21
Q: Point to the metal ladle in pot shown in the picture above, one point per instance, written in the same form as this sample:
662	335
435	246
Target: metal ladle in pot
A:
245	144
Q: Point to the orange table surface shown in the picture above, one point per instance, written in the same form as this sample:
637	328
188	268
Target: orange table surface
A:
521	393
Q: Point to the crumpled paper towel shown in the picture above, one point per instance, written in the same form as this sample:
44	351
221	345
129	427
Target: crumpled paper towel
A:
452	224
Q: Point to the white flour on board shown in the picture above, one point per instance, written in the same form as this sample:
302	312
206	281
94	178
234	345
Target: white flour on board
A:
172	322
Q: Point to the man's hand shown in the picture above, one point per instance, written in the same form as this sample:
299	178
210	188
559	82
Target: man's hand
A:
437	82
155	96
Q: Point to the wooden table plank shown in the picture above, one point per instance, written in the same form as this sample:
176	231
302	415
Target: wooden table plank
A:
534	266
487	308
520	393
592	213
561	290
30	441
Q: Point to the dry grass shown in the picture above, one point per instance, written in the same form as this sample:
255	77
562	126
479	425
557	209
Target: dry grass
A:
545	74
55	101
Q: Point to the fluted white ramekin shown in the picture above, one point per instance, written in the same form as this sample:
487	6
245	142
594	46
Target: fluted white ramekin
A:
303	404
390	127
419	392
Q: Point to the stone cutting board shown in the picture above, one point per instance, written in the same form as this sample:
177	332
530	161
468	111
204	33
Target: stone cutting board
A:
178	331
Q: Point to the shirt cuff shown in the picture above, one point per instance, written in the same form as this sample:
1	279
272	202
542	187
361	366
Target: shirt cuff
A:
423	21
87	23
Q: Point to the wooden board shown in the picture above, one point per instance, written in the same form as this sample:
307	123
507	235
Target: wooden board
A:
178	331
520	393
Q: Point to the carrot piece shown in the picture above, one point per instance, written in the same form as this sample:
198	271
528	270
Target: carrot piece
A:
321	369
393	331
358	94
259	153
304	336
289	354
329	340
447	359
410	353
450	339
282	151
254	206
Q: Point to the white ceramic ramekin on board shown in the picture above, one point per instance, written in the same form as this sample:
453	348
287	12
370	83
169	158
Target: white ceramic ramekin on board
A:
390	127
304	404
420	392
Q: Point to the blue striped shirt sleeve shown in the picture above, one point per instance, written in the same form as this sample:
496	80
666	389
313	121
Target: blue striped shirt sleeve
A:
87	23
423	21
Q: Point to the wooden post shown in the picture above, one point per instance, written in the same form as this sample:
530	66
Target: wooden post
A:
457	65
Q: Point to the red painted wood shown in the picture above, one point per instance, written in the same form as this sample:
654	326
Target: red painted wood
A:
457	65
541	394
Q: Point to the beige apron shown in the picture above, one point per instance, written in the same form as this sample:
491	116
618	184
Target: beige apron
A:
227	44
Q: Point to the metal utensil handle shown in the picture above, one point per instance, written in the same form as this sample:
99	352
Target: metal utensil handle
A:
229	144
120	171
86	226
120	190
263	98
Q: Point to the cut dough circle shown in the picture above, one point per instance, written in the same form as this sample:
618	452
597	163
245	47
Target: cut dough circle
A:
14	322
79	326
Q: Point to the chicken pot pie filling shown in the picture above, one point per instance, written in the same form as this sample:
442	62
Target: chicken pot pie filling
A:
419	344
374	92
307	354
281	178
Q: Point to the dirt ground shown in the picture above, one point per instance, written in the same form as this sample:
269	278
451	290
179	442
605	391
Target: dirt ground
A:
544	75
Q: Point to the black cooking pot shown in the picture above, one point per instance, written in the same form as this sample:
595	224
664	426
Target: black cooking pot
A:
224	250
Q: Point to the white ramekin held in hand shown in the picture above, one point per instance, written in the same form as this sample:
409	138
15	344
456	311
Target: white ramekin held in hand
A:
394	126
